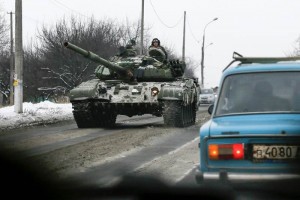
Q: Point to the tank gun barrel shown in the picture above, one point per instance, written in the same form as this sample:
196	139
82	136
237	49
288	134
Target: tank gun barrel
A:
94	57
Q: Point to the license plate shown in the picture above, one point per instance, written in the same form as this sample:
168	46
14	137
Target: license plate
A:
275	152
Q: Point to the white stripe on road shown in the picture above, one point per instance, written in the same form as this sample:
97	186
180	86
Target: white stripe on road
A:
173	166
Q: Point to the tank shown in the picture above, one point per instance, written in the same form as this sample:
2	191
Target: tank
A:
130	84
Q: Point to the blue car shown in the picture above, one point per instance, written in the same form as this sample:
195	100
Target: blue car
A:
254	130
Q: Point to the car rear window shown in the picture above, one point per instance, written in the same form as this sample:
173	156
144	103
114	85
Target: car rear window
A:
260	92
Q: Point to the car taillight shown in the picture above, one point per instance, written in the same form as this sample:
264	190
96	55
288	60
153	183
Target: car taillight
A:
238	151
226	151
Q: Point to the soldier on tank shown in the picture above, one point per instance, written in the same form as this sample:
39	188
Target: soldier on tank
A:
156	44
129	49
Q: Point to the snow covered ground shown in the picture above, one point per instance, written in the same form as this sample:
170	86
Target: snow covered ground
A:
41	113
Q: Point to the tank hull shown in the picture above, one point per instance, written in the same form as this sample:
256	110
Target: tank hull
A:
97	103
131	85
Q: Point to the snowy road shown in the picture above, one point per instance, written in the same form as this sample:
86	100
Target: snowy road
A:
138	146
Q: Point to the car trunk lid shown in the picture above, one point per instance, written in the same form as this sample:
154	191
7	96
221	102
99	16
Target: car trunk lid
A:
255	124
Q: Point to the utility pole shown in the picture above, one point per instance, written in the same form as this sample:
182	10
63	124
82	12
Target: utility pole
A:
18	78
202	52
183	45
142	29
11	79
202	61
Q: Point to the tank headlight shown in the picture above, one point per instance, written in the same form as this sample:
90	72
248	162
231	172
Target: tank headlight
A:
154	91
135	91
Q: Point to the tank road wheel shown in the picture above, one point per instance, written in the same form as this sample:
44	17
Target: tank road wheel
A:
109	119
173	113
167	113
177	115
194	111
190	110
188	114
82	112
180	115
89	115
104	115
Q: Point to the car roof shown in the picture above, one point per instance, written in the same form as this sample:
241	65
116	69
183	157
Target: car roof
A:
258	67
261	64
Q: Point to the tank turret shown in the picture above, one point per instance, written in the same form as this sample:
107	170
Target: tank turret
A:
94	57
131	67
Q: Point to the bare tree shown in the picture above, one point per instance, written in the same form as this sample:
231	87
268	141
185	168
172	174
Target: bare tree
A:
191	67
4	77
4	32
296	51
64	68
4	59
131	31
32	74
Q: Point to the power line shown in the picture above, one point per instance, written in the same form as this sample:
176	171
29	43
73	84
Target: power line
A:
162	21
63	5
34	20
59	5
192	32
55	2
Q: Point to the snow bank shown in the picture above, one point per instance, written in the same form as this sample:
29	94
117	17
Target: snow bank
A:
41	113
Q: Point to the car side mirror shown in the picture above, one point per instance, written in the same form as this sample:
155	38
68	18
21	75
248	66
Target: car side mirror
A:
210	109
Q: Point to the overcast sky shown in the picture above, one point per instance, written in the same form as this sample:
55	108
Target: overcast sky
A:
249	27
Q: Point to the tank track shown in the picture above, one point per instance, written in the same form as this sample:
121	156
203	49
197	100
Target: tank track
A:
178	115
88	114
